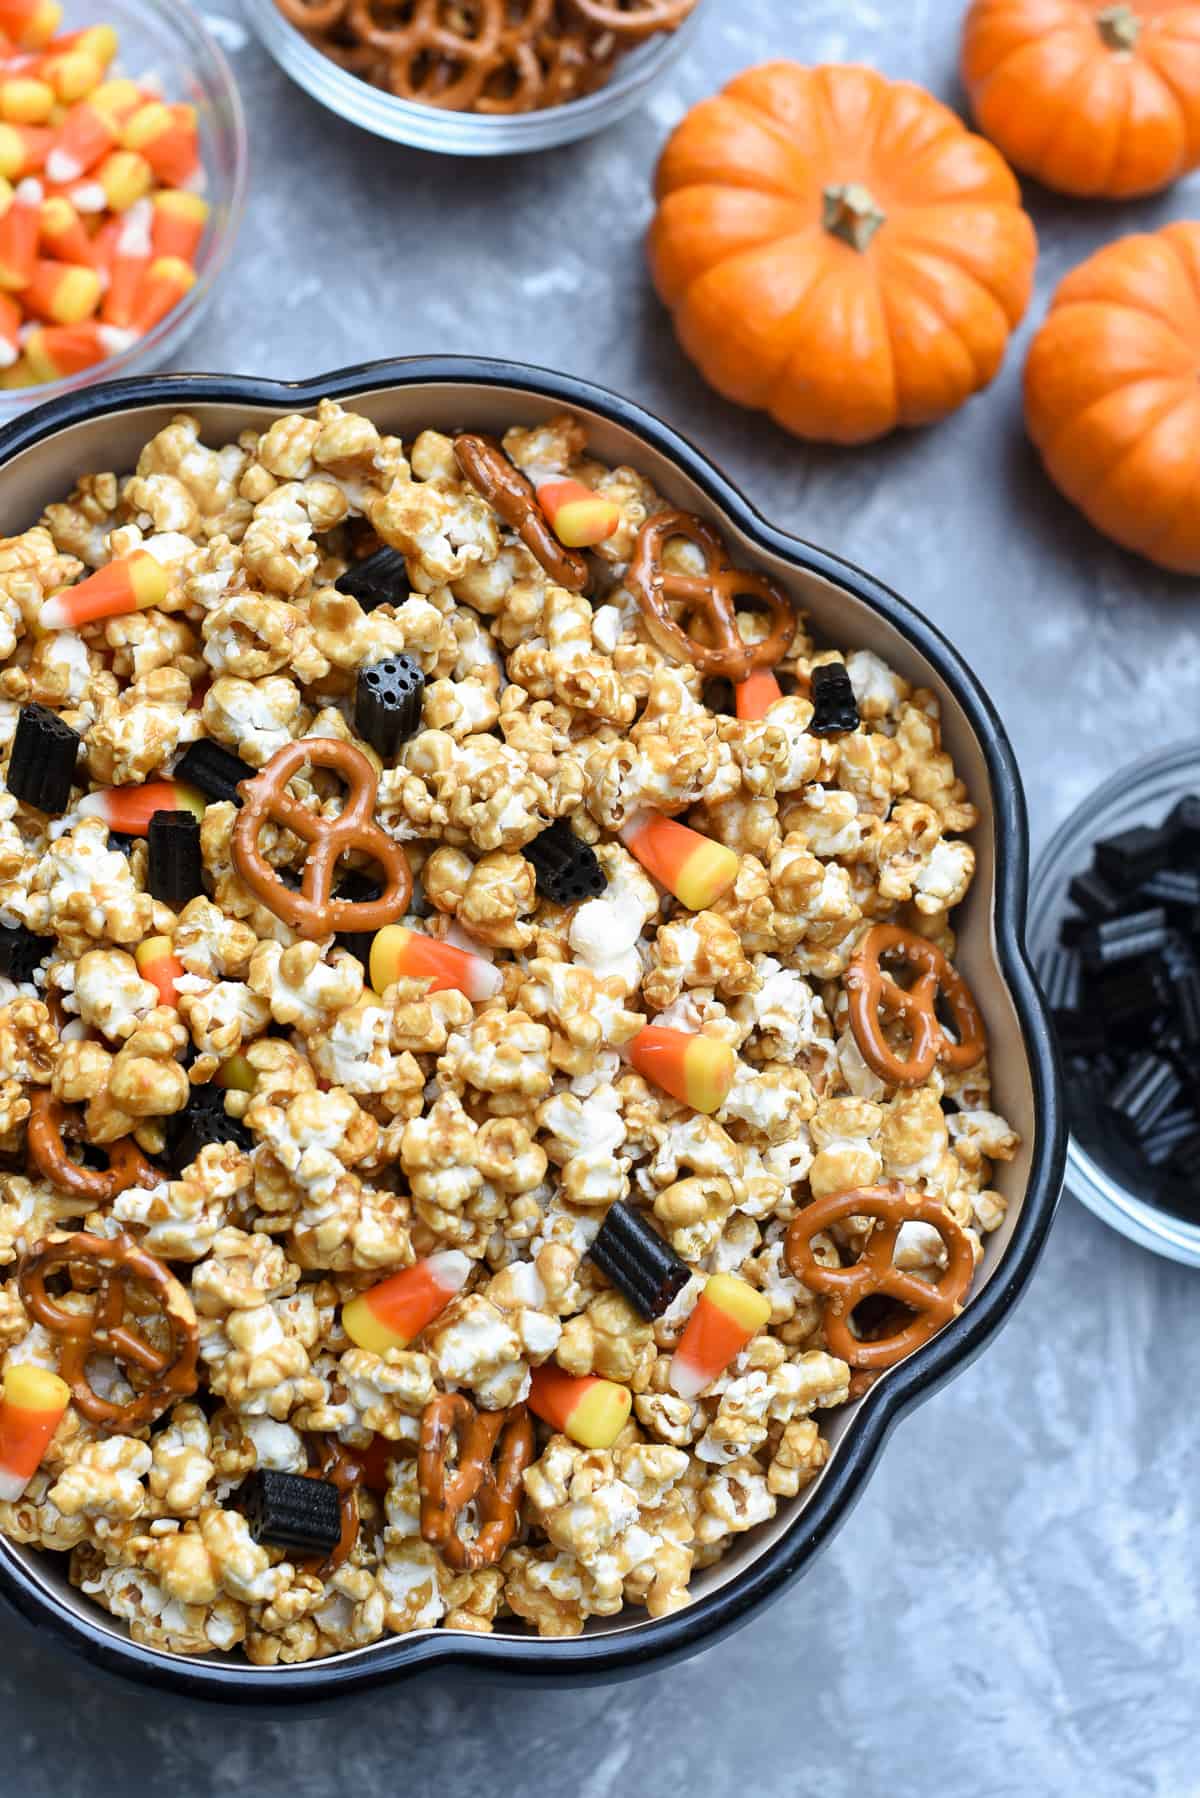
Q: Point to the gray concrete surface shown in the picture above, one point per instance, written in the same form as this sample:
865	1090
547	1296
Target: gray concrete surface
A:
1012	1609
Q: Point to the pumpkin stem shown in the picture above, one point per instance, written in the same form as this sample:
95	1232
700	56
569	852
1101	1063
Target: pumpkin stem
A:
1119	26
851	213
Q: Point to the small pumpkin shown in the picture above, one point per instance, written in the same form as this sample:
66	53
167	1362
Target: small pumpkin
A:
839	250
1112	393
1091	98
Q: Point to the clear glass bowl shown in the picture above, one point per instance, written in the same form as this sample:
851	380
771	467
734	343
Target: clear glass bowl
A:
167	39
466	133
1141	794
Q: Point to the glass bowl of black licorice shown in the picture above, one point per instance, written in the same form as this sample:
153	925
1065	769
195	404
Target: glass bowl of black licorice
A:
1115	933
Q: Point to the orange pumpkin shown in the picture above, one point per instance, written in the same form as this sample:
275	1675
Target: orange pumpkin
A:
1092	99
1112	393
838	250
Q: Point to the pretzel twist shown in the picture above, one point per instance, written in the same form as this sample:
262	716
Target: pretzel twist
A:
933	1303
712	596
511	494
47	1150
113	1262
870	991
632	20
313	911
494	1489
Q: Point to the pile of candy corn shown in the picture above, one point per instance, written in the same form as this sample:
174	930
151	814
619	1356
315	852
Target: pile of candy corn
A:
100	210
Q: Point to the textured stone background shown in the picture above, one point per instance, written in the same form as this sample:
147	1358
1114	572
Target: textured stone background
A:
1011	1610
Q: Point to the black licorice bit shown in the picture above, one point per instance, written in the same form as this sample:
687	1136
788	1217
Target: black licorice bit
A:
21	952
1172	887
388	699
289	1510
1133	856
41	764
1144	1094
361	889
1124	939
835	709
565	868
1183	823
202	1122
1130	997
378	579
1094	895
1079	1033
642	1266
174	866
213	770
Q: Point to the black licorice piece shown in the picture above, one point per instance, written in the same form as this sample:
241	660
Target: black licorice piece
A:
1080	1033
1159	1143
565	867
379	579
175	868
1131	997
21	951
362	890
1060	978
213	770
290	1511
1124	939
1094	895
41	767
1183	823
641	1265
835	709
202	1121
1144	1094
1133	856
1177	888
388	697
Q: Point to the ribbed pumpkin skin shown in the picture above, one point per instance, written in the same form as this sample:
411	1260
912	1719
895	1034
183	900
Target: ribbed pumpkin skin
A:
1112	393
838	343
1052	86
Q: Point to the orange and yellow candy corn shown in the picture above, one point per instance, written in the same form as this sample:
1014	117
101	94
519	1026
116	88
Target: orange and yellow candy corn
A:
10	330
25	101
130	809
30	23
179	221
20	229
124	247
64	234
693	867
166	137
61	293
589	1410
130	584
54	351
393	1314
158	963
160	290
125	177
23	149
236	1075
31	1408
578	516
696	1070
756	695
401	954
87	134
727	1314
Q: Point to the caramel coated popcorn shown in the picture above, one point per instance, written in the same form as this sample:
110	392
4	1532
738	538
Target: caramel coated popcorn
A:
303	1139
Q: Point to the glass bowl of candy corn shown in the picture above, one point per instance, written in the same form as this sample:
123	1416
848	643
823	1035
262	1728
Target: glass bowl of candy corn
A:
1115	933
122	181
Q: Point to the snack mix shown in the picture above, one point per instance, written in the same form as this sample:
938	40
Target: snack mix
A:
481	1060
486	56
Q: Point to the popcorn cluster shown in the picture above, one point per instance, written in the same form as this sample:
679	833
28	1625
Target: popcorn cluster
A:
371	1130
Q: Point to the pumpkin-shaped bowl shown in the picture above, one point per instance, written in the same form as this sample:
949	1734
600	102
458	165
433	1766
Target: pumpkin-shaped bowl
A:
41	456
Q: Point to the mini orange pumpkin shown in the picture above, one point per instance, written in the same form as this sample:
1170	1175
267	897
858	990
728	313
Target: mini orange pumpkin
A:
838	250
1091	98
1112	393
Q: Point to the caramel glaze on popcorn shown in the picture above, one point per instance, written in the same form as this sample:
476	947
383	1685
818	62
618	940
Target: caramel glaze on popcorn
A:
387	1128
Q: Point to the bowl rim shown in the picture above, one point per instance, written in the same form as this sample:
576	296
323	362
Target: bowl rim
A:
625	1652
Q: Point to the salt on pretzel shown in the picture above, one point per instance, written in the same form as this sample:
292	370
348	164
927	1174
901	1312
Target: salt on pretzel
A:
711	596
509	493
107	1265
493	1488
314	911
870	991
49	1122
932	1303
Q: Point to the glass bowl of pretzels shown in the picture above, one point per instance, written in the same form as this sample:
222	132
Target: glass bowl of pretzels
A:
477	77
709	961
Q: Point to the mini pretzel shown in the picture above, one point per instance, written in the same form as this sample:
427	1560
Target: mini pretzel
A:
934	1302
332	1462
871	991
113	1262
127	1166
508	492
312	15
632	20
712	595
495	1490
313	911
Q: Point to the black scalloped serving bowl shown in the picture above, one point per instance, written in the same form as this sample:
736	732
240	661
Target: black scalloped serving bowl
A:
40	457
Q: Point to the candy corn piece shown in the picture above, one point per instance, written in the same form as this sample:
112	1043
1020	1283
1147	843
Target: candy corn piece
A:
124	247
23	148
757	694
393	1314
160	290
130	809
11	320
157	963
693	867
401	954
61	293
591	1411
236	1075
30	23
727	1314
52	352
578	516
32	1404
20	229
25	100
64	235
130	584
696	1070
87	134
179	221
125	177
166	137
61	63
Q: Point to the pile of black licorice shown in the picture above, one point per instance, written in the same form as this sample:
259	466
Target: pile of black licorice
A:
1126	989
